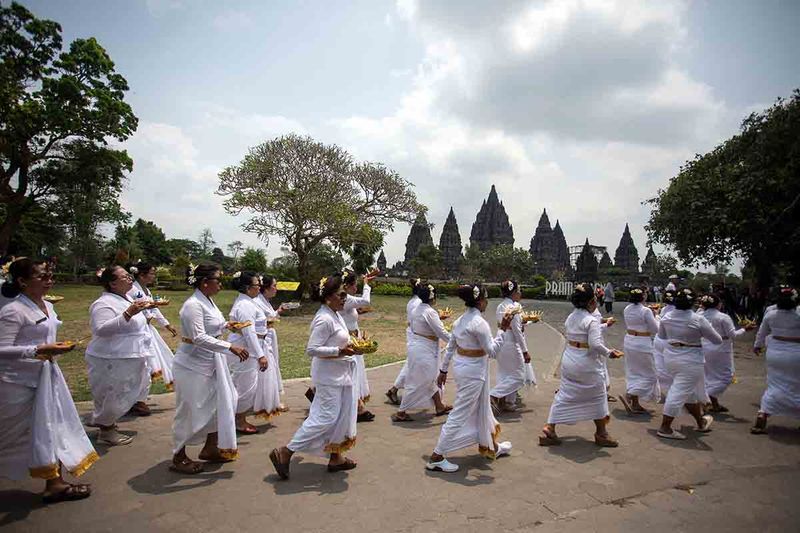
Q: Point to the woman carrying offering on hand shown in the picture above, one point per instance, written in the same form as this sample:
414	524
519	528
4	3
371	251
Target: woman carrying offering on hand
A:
513	357
427	329
400	381
269	288
160	364
471	421
330	428
641	378
205	396
116	357
582	392
683	329
40	430
350	315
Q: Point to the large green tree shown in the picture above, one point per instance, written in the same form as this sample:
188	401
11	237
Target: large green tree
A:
309	193
740	199
152	241
49	98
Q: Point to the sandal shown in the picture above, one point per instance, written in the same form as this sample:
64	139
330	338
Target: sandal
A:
186	466
365	416
140	409
283	408
549	439
281	468
757	430
347	464
247	430
69	494
216	458
626	405
718	409
611	399
394	399
605	441
447	409
401	418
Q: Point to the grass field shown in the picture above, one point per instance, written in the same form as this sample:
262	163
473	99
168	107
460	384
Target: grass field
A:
386	324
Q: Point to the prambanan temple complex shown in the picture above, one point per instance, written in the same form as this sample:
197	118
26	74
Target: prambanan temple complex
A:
550	254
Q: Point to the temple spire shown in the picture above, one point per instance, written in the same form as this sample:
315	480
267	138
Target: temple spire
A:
491	226
450	246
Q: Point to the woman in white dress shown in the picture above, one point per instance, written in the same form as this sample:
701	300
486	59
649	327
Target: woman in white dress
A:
116	357
350	315
330	428
205	396
513	357
421	389
683	329
782	396
582	392
269	288
471	421
40	431
400	381
160	365
719	367
605	323
664	378
257	391
641	379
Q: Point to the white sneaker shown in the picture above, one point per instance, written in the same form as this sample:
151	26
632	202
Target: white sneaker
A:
503	448
442	466
112	437
675	435
706	427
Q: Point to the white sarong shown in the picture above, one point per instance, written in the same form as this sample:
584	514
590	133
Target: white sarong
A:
116	385
360	377
582	392
423	369
719	367
511	372
40	429
257	391
640	370
471	421
685	366
331	423
782	396
205	404
664	377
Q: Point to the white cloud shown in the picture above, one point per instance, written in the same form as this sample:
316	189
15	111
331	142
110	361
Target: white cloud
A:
233	20
160	7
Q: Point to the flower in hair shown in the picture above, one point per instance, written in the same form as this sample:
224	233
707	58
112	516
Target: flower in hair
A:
510	286
99	272
345	273
432	291
192	268
687	292
237	274
580	288
476	292
133	270
322	283
191	280
636	291
417	282
7	266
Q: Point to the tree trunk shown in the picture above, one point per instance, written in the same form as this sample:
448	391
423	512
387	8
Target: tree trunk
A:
9	226
302	270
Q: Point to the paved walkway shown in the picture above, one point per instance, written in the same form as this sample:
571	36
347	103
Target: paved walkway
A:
726	480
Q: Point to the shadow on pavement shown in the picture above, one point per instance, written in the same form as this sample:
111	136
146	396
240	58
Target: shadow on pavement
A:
421	421
692	441
730	419
578	449
462	476
159	479
103	449
16	505
622	414
308	477
784	435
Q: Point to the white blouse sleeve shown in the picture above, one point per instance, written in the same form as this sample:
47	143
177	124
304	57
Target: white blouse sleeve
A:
519	334
651	321
449	351
243	314
434	322
763	331
106	322
595	337
360	301
197	331
321	330
483	334
160	318
10	324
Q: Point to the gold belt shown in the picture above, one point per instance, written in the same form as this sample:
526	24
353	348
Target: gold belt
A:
467	352
786	339
429	337
187	340
578	344
638	333
684	345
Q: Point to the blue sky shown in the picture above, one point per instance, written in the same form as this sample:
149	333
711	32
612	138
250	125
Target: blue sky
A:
583	107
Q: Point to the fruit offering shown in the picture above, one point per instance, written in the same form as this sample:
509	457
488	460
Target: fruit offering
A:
52	298
445	313
364	344
532	316
236	327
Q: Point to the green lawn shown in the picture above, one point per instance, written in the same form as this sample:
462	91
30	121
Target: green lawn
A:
387	324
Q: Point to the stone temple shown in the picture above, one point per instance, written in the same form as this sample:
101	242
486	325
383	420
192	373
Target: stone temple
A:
382	262
420	236
627	257
491	227
450	246
586	265
650	263
548	249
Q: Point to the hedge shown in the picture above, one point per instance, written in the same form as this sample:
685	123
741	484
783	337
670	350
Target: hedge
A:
448	289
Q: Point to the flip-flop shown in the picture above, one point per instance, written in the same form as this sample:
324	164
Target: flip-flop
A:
406	418
611	399
348	464
246	431
548	439
605	441
394	399
366	416
184	467
69	494
445	411
281	468
626	405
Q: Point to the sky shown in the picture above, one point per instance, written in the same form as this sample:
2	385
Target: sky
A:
583	107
